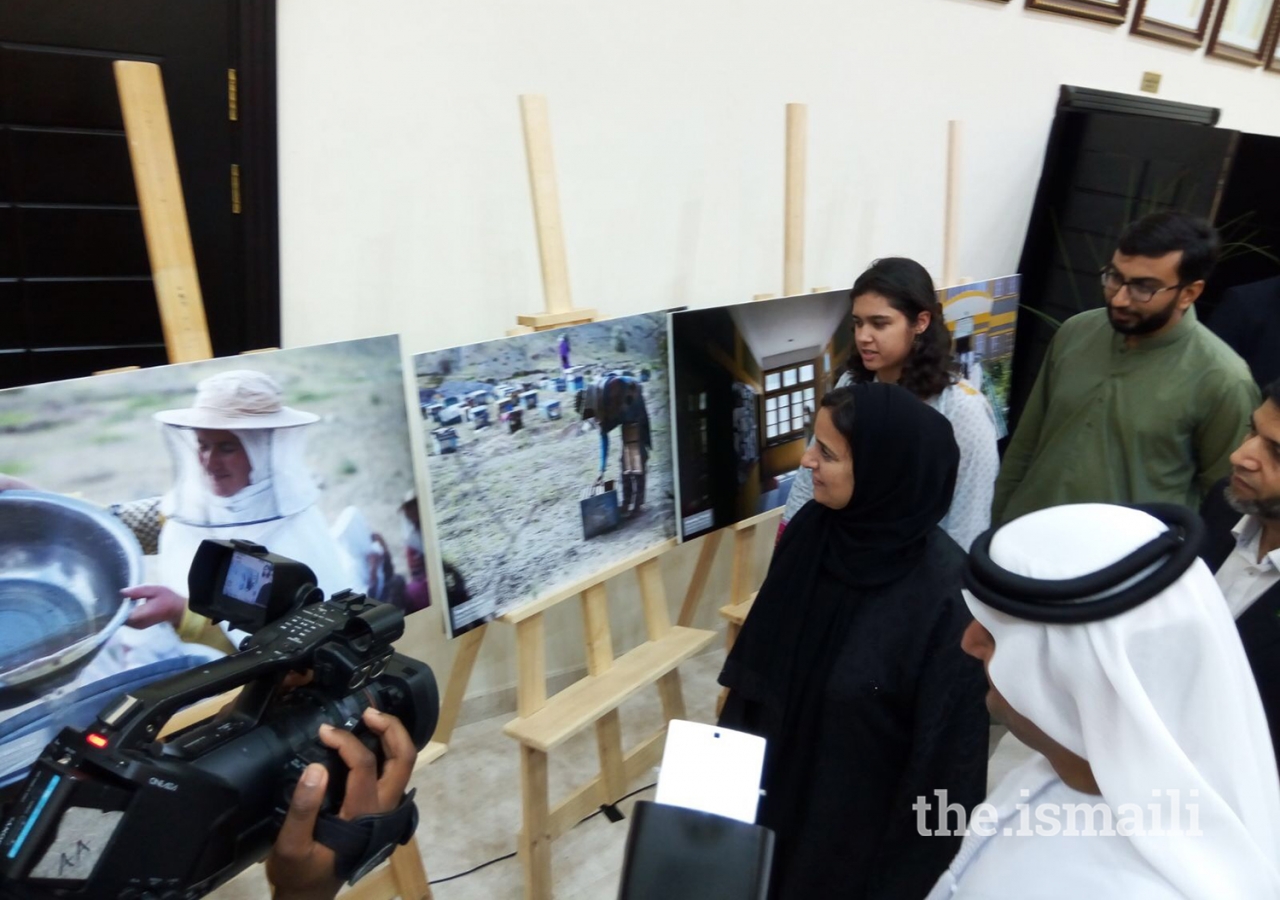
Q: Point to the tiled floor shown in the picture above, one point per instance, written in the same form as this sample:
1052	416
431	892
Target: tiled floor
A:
470	805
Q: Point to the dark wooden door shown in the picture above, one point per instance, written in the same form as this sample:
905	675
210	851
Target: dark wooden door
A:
1102	170
1248	219
75	283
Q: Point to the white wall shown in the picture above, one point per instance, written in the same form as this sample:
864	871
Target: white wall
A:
404	198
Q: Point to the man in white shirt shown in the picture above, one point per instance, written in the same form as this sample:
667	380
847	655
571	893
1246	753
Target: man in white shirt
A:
1110	652
1242	513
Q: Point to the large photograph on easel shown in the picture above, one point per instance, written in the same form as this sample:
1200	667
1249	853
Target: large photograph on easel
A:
982	318
549	457
109	484
747	382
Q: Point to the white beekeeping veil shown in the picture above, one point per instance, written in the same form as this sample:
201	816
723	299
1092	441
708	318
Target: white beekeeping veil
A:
249	405
1157	697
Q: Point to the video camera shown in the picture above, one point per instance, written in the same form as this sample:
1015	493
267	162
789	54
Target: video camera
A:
118	811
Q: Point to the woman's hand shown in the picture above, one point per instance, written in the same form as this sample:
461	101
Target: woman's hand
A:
159	604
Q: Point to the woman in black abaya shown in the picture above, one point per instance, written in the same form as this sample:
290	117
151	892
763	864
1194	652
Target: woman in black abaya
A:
850	662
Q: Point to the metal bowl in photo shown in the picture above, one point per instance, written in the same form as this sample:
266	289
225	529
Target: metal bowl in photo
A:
62	565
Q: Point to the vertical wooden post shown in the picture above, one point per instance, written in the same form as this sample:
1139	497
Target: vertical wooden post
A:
793	229
595	615
546	202
535	839
951	228
164	212
531	665
698	584
657	622
653	596
740	578
599	641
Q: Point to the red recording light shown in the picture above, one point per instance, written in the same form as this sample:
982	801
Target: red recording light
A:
97	740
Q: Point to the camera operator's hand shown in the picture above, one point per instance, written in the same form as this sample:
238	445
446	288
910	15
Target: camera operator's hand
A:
159	604
301	868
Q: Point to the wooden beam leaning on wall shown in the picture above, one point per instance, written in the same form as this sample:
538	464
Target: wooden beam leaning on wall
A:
186	336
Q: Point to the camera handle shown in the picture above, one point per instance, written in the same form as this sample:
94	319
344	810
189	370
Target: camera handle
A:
137	718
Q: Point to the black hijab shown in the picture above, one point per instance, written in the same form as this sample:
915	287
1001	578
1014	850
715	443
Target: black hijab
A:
904	471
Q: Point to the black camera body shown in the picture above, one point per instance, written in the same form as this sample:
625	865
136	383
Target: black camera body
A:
116	811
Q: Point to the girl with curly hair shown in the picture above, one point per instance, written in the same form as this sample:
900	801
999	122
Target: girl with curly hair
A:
900	338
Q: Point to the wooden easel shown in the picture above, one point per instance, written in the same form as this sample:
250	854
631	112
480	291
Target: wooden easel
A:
549	227
543	722
186	338
742	575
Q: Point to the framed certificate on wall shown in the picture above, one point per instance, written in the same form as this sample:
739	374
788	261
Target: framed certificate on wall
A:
1273	58
1112	11
1242	30
1176	21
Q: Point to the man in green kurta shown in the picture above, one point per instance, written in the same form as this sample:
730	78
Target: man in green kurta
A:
1137	402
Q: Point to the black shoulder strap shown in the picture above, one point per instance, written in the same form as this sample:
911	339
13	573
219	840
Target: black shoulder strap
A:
364	843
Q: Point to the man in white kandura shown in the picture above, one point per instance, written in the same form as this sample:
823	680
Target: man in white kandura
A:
1110	651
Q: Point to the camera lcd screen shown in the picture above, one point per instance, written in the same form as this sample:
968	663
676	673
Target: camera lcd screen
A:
248	579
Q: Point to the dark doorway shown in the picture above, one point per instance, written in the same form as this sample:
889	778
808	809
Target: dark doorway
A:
1111	158
1249	219
75	282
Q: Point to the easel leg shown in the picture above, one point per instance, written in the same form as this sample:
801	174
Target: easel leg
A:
698	584
672	695
459	677
409	873
741	575
535	839
609	743
731	635
739	589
